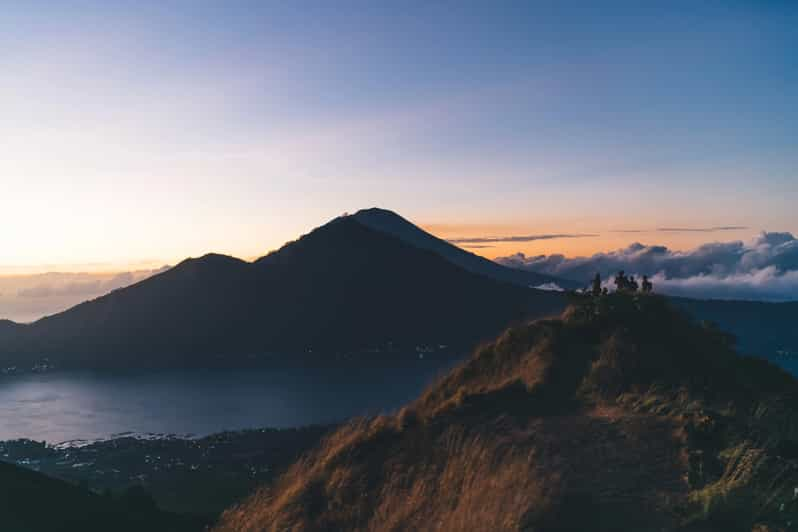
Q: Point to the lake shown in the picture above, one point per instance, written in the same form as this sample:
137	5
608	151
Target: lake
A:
62	406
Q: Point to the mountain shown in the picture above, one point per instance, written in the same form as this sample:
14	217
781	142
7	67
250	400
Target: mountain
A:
622	414
761	328
32	502
391	223
366	282
343	287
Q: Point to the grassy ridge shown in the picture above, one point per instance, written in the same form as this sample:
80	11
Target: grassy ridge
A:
621	415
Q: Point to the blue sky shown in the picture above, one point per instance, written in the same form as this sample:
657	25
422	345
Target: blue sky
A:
144	132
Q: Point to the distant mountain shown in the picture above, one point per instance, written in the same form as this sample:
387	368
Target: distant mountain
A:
621	415
32	502
366	282
761	328
391	223
342	287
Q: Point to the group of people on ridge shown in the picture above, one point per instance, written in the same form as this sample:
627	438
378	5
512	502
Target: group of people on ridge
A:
622	284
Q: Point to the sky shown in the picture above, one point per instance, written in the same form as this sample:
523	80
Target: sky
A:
137	133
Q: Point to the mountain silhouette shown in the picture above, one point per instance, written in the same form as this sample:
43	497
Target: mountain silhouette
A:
342	287
371	281
391	223
622	414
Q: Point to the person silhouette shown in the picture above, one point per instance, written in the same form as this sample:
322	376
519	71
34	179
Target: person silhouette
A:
648	286
596	288
621	282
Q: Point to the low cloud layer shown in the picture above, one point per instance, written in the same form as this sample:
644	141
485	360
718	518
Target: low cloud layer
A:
764	269
525	238
79	288
26	298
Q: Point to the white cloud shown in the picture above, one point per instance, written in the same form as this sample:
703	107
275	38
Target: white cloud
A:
764	269
552	287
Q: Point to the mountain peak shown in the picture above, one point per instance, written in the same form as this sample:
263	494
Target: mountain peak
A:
343	286
389	222
377	212
212	258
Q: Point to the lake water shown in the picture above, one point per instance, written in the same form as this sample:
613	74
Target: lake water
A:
62	406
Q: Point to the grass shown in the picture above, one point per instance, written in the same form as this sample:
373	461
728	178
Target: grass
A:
621	415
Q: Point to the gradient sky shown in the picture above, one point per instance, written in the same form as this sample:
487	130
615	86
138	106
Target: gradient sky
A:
138	133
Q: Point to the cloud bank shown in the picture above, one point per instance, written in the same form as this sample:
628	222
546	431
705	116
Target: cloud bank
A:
25	298
81	288
764	269
684	229
525	238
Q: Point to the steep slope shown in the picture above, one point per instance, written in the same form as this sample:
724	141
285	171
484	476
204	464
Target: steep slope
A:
621	415
341	287
391	223
31	502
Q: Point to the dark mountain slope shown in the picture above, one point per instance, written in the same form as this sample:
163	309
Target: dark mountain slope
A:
391	223
621	415
342	287
31	502
763	329
345	286
185	309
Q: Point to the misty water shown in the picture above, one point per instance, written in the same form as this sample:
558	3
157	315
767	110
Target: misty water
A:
63	406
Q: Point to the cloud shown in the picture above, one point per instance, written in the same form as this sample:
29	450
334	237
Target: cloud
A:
764	269
86	288
684	229
552	287
701	229
767	284
526	238
25	298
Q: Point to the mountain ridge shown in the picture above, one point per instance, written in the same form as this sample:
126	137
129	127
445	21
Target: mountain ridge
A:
342	286
391	223
622	414
231	311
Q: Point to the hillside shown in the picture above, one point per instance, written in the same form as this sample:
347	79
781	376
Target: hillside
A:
621	415
31	502
341	287
762	329
391	223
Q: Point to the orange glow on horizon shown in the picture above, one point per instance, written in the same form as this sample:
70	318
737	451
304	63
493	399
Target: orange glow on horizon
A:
582	246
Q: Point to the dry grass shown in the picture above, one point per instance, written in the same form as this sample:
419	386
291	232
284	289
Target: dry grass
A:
601	421
471	479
